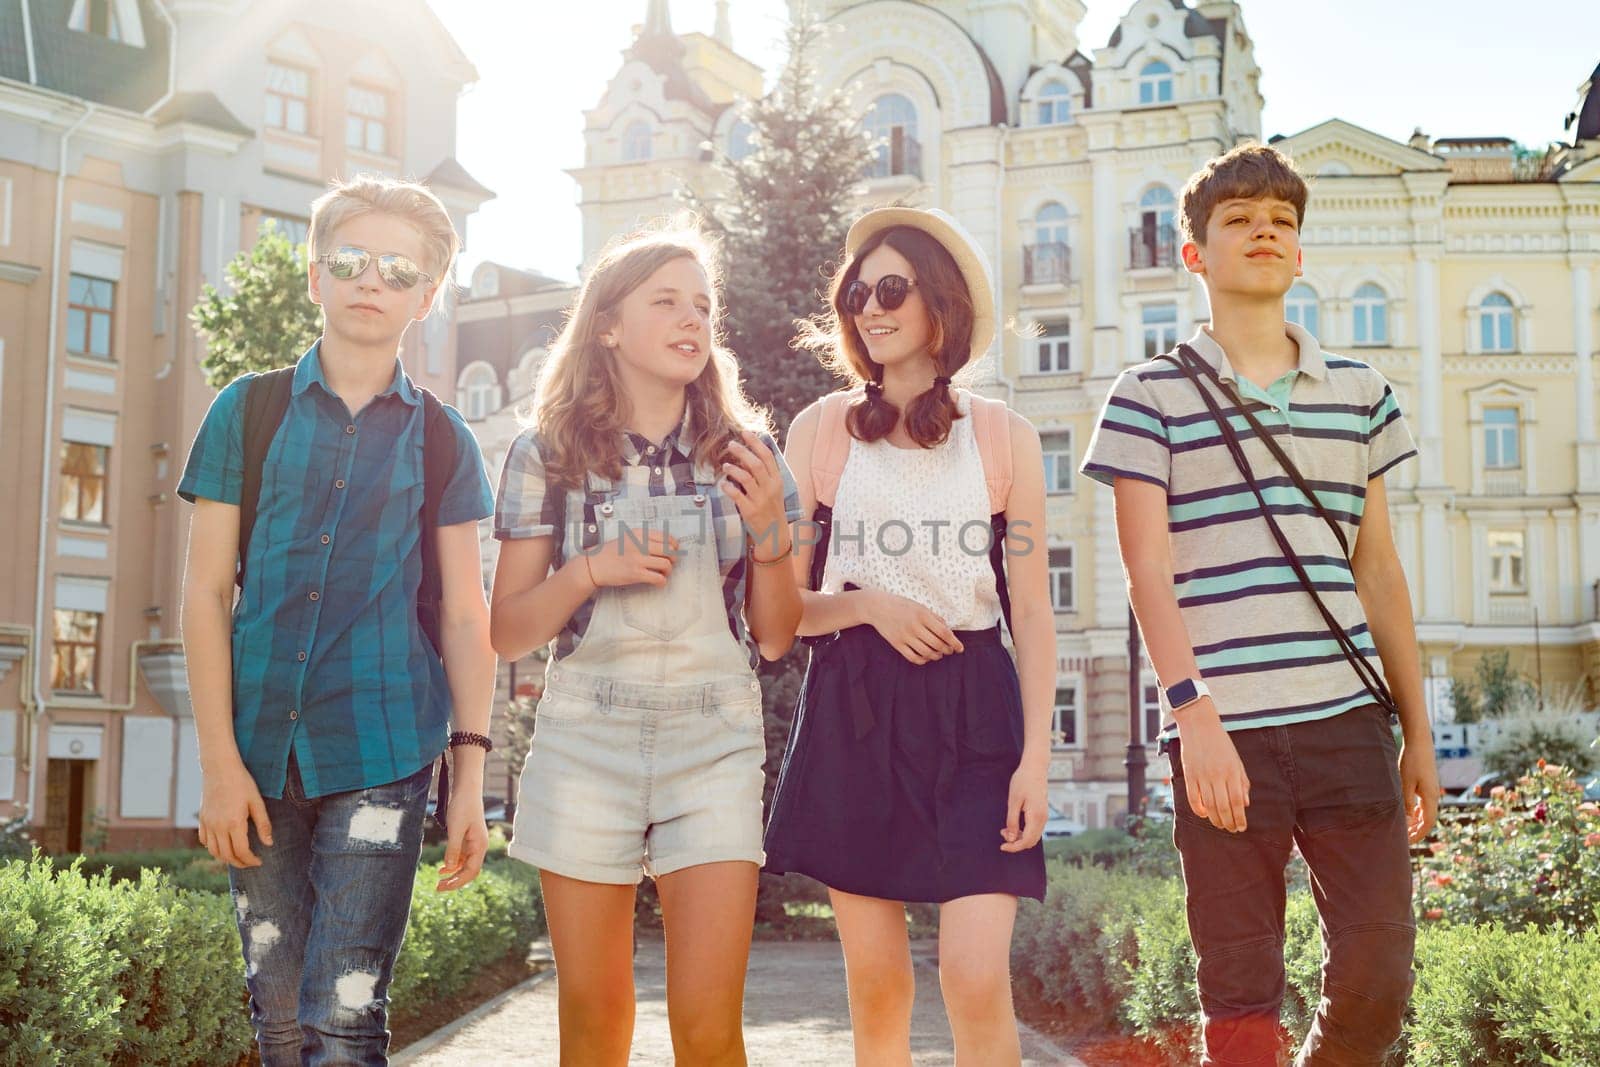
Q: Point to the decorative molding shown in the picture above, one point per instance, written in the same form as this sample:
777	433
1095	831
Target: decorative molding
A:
21	273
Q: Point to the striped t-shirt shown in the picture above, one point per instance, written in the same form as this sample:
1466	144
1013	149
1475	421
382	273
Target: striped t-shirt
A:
1262	647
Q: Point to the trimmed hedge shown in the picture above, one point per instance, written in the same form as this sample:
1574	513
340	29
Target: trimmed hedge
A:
1109	948
98	972
134	973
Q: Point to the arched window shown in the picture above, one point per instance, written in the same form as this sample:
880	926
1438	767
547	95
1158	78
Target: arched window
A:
1497	324
739	144
1047	255
1055	104
479	391
636	142
891	122
1300	307
1155	83
1154	241
1371	306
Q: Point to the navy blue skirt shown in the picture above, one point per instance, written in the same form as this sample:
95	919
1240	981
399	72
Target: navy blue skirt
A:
896	776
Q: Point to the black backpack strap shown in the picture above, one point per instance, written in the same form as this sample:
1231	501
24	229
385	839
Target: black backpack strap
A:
1193	367
997	562
1196	365
266	400
440	452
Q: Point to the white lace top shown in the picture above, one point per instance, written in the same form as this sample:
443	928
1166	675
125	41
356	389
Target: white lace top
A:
915	522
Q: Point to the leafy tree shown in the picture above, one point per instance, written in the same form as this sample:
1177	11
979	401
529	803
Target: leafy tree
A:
1493	690
781	219
267	320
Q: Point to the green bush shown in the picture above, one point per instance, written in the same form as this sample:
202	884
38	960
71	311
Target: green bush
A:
95	971
1521	745
452	936
190	868
1491	997
1151	853
1060	959
1531	857
1109	948
135	973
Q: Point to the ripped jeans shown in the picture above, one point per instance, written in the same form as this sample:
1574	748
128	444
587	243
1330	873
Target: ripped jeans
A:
322	918
1332	788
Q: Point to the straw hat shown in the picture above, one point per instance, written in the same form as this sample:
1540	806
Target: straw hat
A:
968	254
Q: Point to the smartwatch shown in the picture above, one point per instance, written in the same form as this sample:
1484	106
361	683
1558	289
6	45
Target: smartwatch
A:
1184	693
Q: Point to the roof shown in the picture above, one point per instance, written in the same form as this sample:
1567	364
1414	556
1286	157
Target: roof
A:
201	109
86	65
451	174
1588	113
1194	25
661	50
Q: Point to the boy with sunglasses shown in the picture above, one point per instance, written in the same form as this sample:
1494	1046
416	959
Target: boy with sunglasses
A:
320	700
1253	525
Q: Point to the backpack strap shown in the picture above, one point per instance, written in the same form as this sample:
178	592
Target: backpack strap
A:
831	447
440	453
991	424
266	400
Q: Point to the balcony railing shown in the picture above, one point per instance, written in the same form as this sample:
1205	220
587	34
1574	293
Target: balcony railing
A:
898	153
1152	246
1502	481
1046	264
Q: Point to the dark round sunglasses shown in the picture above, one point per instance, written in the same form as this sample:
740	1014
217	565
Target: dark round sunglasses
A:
891	289
397	271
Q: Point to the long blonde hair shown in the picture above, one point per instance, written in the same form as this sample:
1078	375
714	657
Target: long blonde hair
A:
580	408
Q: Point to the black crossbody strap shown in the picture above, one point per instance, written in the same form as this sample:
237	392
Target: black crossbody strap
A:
1197	364
1369	676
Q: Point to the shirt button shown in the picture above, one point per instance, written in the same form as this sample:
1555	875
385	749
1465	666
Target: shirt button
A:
293	714
339	484
326	539
301	656
314	595
650	451
350	429
658	470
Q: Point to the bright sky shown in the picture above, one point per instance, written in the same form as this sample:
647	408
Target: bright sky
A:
1456	68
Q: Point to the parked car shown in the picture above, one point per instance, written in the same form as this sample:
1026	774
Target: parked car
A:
1591	789
1058	825
1475	795
1158	806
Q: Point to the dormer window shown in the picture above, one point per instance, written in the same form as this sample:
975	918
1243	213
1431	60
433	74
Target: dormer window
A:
115	20
1055	104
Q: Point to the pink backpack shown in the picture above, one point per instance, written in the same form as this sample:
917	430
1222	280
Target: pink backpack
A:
990	424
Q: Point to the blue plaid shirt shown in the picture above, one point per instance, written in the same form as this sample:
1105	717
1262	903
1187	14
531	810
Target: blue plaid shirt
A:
329	662
529	506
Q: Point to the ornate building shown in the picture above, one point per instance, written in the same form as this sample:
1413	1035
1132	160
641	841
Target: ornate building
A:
141	144
1461	267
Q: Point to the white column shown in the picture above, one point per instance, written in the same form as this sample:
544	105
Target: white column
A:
1438	560
1110	586
1430	378
1569	604
1107	267
1583	346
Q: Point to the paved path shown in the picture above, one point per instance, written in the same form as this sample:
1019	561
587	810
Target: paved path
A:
795	1016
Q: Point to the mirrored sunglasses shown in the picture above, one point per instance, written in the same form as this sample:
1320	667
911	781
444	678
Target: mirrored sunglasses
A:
397	271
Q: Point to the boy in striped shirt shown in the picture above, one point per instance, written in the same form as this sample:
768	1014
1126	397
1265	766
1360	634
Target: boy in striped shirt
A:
1275	738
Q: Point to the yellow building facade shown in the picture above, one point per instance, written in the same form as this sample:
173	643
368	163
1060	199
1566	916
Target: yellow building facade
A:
1461	268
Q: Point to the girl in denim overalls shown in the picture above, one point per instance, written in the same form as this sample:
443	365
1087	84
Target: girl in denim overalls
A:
644	517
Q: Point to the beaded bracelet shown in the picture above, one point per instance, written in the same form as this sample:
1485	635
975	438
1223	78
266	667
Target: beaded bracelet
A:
466	737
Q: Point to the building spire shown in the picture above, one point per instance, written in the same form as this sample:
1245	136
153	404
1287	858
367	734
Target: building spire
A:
724	31
657	20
